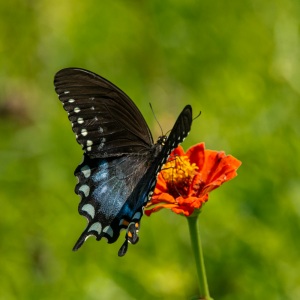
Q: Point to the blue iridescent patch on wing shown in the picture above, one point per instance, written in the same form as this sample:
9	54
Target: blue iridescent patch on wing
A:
105	186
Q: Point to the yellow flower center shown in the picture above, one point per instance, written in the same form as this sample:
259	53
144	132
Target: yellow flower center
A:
178	174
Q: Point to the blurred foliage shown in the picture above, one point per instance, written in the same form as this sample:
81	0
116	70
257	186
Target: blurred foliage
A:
236	61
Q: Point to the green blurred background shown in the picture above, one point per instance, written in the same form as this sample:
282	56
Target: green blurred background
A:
236	61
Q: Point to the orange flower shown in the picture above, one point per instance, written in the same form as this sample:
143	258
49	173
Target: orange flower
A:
187	178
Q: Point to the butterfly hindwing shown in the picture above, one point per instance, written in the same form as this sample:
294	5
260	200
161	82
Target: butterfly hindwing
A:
104	186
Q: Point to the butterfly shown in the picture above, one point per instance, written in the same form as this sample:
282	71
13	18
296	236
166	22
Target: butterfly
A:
121	162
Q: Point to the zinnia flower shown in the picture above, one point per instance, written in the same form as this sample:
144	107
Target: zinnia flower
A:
186	179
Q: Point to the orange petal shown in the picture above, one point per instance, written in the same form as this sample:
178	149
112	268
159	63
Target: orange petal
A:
186	211
196	154
227	165
210	164
161	185
188	205
156	208
162	197
192	201
217	164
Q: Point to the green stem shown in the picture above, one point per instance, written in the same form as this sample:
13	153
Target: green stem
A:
197	249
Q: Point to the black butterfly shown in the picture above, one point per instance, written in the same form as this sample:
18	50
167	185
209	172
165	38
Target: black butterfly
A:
121	162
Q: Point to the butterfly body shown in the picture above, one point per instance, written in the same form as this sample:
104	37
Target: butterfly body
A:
121	162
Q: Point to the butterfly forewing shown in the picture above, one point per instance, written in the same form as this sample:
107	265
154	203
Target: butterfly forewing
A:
179	131
105	120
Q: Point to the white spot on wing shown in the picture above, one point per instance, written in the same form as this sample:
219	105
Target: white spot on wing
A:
85	189
108	231
89	209
96	227
102	143
71	101
66	92
86	171
76	109
80	121
137	216
88	236
89	143
89	148
84	132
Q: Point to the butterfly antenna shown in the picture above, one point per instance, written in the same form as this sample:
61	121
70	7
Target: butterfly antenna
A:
156	119
197	116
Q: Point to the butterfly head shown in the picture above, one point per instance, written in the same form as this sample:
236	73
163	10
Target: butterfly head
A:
156	148
162	140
